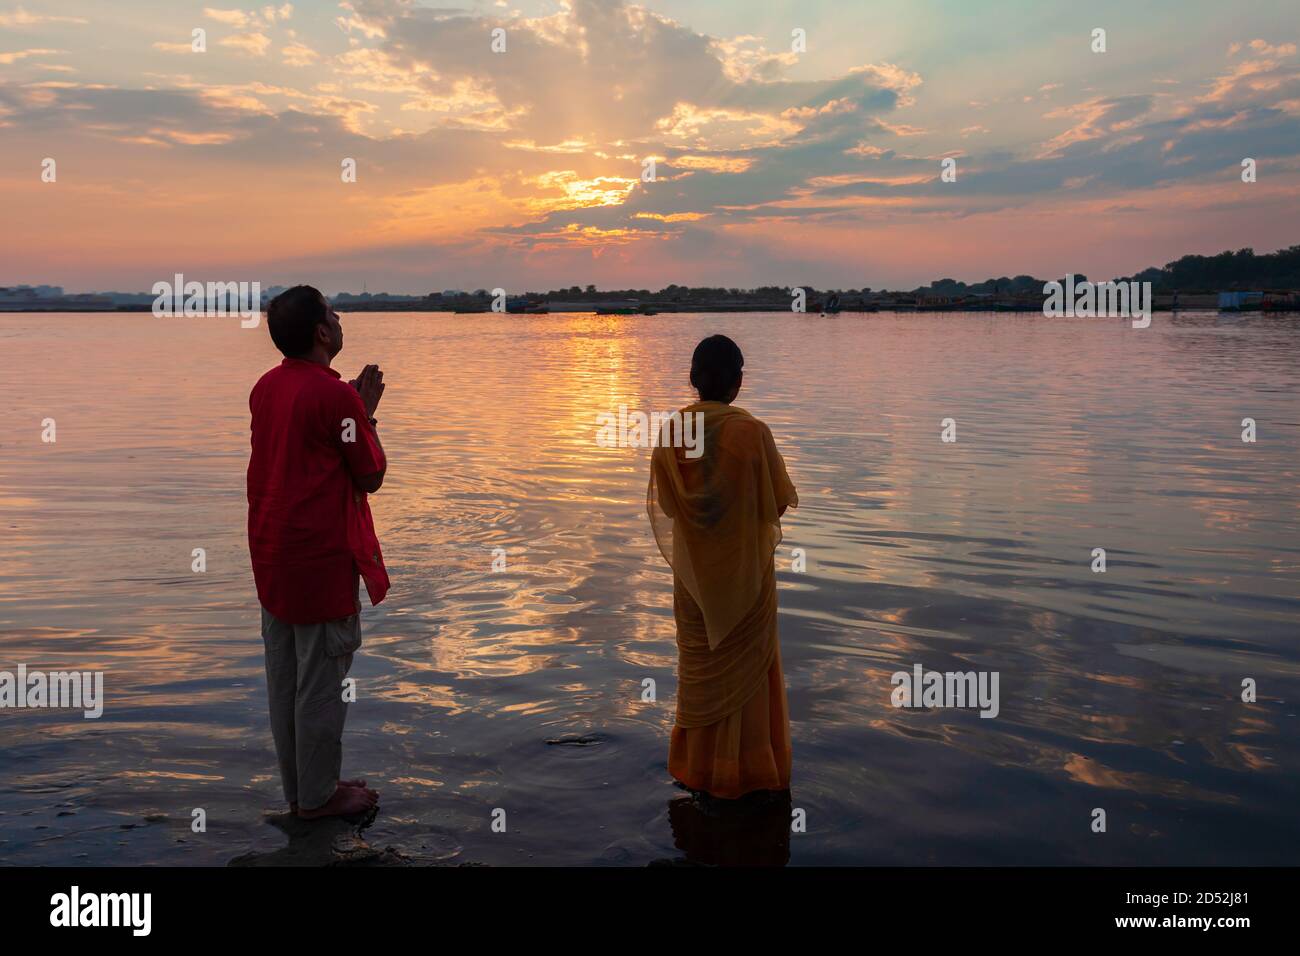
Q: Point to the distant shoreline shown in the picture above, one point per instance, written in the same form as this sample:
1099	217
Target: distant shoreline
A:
1184	305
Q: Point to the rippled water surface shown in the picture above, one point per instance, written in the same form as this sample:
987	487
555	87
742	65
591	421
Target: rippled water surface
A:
1119	691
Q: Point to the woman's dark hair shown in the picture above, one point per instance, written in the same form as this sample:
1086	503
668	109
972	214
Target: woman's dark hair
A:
715	368
292	318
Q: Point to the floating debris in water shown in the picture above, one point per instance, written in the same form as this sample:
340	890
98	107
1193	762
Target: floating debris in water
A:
576	740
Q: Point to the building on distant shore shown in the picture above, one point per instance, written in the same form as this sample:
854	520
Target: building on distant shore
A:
49	298
1240	301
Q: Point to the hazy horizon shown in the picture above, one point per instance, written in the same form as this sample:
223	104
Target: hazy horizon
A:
653	287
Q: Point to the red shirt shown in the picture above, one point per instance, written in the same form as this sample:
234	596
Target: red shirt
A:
309	526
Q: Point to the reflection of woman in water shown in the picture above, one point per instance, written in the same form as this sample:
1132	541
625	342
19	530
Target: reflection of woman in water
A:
716	518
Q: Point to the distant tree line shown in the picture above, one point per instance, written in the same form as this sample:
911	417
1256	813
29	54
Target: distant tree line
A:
1240	270
1020	285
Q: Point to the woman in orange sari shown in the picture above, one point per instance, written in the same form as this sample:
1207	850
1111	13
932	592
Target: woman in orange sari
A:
716	516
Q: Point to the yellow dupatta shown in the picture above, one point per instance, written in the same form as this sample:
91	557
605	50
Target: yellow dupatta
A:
716	519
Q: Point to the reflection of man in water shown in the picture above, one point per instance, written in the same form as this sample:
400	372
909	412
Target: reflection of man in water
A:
316	455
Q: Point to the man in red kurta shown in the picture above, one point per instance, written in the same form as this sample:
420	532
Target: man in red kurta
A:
315	457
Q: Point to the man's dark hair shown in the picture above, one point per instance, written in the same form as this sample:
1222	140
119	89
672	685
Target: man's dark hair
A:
715	368
292	318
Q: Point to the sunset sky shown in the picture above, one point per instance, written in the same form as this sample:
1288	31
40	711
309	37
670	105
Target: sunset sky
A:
522	169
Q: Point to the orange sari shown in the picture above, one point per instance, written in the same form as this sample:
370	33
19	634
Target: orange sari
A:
716	519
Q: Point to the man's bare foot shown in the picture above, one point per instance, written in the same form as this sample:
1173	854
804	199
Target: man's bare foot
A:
346	802
359	782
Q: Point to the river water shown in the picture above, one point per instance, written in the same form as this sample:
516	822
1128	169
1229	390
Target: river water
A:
521	689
